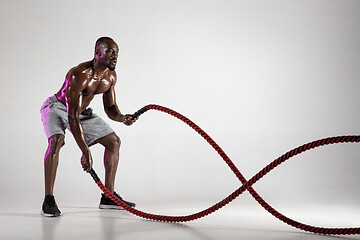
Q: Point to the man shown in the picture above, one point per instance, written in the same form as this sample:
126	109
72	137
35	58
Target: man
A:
68	109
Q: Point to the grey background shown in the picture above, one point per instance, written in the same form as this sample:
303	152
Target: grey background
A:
261	77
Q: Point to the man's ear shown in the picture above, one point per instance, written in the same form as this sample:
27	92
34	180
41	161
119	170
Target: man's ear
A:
97	53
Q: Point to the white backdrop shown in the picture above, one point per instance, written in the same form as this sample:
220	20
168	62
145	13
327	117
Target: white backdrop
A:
261	77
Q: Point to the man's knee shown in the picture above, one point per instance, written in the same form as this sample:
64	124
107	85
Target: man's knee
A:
115	142
55	143
111	142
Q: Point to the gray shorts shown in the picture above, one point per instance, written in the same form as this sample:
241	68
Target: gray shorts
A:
55	121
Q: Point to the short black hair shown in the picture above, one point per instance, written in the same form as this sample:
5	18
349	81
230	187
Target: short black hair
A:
102	40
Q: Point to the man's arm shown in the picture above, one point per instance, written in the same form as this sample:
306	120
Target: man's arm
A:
110	106
73	96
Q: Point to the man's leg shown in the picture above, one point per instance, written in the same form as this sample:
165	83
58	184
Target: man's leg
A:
112	144
51	161
50	208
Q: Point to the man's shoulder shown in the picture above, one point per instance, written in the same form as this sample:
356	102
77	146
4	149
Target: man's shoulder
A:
83	66
112	76
81	70
112	73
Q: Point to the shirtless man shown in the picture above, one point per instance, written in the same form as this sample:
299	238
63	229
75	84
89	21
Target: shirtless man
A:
68	109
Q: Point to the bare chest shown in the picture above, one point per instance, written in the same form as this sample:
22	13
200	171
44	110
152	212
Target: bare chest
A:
96	86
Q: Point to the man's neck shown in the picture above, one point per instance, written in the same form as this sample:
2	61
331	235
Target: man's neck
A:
98	69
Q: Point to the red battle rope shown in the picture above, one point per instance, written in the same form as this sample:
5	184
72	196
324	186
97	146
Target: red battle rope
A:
246	185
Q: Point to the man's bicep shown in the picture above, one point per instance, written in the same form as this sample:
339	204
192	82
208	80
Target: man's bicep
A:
73	101
109	98
73	95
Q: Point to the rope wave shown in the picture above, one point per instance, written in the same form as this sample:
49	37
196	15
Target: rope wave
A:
246	184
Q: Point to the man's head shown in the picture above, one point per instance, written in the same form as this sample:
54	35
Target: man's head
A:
106	51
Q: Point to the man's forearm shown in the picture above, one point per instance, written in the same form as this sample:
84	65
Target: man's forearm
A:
78	133
114	113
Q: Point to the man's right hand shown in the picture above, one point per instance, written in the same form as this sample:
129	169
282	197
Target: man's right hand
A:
86	161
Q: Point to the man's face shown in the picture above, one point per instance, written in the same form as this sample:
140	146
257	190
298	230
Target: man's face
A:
109	54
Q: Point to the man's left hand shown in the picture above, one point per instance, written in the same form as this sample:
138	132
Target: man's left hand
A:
128	121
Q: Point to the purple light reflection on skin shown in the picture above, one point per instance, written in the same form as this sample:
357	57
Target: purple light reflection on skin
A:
102	51
62	93
46	155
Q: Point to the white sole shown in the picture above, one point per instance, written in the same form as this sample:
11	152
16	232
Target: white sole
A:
103	206
49	215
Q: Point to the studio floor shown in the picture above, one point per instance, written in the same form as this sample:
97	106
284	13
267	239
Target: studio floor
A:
89	222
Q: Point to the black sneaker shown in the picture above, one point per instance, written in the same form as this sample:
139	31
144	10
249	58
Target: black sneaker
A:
107	203
49	207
